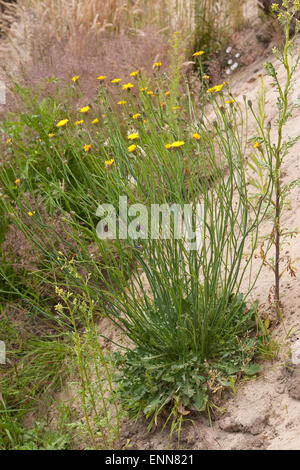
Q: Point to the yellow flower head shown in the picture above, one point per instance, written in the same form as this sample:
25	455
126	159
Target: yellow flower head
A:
167	93
150	93
206	77
216	89
135	74
127	86
95	121
62	123
51	135
256	145
176	144
116	80
87	148
198	53
133	137
108	163
77	123
18	181
101	78
196	136
122	102
144	89
75	78
230	101
157	64
85	109
8	141
132	148
31	213
136	116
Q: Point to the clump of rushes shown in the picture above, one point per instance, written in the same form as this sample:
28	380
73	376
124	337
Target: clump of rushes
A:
183	310
273	153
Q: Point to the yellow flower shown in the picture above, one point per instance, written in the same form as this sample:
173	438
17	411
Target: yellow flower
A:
51	135
31	213
101	77
132	148
167	93
196	136
87	148
116	80
127	86
108	163
84	109
215	89
144	89
77	123
256	145
206	77
95	121
135	74
8	141
230	101
150	93
218	87
157	64
176	144
122	102
18	181
75	78
198	53
136	116
133	137
62	123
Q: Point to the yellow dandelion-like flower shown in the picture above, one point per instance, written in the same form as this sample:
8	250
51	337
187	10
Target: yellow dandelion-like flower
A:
87	147
62	123
122	102
132	148
101	78
108	163
127	86
77	123
176	144
144	89
95	121
135	74
75	78
157	64
256	145
218	87
133	136
196	136
18	181
31	214
167	93
51	135
85	109
8	141
206	77
230	101
198	53
136	116
116	80
150	93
